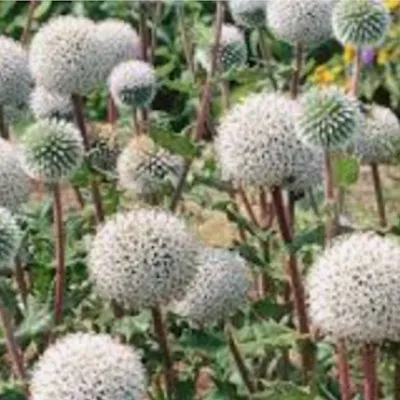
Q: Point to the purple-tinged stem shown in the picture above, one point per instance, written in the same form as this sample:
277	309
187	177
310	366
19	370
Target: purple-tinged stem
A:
112	111
343	371
370	373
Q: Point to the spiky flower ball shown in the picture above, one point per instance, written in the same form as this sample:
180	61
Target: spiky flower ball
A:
256	141
133	84
145	169
15	185
119	42
379	138
142	258
353	289
232	51
249	13
300	21
45	104
85	366
328	118
15	78
219	288
64	55
361	22
10	238
51	150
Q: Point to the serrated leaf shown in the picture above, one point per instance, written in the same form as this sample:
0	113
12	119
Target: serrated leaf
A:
175	143
345	170
308	237
202	341
129	325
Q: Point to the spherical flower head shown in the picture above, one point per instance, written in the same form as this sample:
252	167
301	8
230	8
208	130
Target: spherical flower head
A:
248	13
142	258
353	289
219	288
45	104
328	118
145	169
256	141
15	186
300	21
84	366
378	140
64	55
10	238
51	150
119	42
15	78
133	84
361	22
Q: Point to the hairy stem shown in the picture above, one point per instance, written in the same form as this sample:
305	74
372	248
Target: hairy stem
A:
4	132
297	70
203	111
370	373
27	28
343	371
295	282
380	202
12	346
60	255
266	55
160	331
77	103
239	360
20	280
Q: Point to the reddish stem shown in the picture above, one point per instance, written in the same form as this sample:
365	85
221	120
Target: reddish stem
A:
247	205
60	255
380	202
79	197
112	111
298	65
370	374
355	79
343	370
143	31
77	102
20	279
4	132
136	125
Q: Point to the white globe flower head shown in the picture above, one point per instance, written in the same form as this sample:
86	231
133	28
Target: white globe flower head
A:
51	150
142	258
354	289
145	169
300	21
219	288
10	238
329	118
64	55
248	13
360	23
256	141
119	42
133	84
378	140
85	366
45	104
15	79
15	186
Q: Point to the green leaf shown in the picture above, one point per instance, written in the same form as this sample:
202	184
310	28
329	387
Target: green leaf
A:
282	390
175	143
202	341
308	237
42	9
345	170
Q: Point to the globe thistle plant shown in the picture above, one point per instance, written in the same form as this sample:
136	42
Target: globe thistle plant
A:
248	13
45	104
145	170
328	118
119	42
15	185
133	84
360	23
300	21
64	55
51	150
10	238
142	258
219	288
84	366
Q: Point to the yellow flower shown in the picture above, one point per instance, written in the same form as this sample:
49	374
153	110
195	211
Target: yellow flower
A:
349	54
392	4
383	56
322	75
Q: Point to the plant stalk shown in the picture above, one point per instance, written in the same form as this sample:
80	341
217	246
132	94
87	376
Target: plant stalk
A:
161	333
297	70
80	121
380	202
20	280
27	28
329	194
4	132
295	282
155	21
143	31
355	79
266	55
224	88
186	43
79	197
239	360
112	111
60	255
370	374
396	382
343	370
